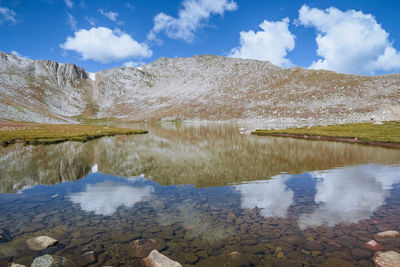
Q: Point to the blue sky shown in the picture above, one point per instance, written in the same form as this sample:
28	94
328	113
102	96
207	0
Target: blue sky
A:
360	36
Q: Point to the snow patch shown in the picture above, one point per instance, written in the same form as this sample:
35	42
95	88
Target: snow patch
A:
92	76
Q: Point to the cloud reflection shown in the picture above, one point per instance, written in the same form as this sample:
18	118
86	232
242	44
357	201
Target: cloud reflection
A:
105	198
271	196
348	195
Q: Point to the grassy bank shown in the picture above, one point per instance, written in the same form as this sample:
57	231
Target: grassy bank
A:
385	134
35	134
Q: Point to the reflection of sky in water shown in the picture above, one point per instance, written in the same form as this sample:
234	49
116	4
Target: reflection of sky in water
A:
272	196
105	198
342	195
350	194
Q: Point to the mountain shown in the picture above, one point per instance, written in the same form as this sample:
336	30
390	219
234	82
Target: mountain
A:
200	87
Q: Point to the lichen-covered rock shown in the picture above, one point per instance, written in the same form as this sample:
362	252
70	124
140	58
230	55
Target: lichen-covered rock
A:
156	259
387	259
41	242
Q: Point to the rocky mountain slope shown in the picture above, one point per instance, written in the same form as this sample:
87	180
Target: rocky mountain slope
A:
201	87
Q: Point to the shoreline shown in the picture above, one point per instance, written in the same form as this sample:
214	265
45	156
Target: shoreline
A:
386	134
44	134
331	138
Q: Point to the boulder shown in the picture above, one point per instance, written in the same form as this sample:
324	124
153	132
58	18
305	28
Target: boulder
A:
388	234
41	242
387	259
156	259
17	265
372	244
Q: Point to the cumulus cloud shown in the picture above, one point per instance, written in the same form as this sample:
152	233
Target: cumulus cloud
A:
271	43
7	15
72	22
272	197
350	41
104	45
69	3
110	15
191	17
105	198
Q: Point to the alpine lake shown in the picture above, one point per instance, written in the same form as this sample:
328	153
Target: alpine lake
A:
203	194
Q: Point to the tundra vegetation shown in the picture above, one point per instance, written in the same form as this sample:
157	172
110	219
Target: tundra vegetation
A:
35	133
384	133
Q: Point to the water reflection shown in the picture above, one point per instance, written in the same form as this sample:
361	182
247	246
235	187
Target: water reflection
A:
272	197
348	195
199	154
106	197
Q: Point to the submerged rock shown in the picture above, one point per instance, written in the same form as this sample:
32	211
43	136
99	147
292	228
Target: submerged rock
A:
52	261
43	261
41	242
387	259
142	247
372	244
388	234
88	257
156	259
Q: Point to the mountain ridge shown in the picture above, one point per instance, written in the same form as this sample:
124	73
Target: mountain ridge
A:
205	87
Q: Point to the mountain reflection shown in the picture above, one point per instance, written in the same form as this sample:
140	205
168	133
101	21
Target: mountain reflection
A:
106	197
203	155
272	197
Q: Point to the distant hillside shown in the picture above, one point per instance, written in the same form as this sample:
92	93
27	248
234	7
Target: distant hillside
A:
201	87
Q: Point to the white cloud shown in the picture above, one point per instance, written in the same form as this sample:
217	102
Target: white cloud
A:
7	15
191	17
72	22
15	53
104	45
69	3
350	41
105	198
271	196
133	64
91	21
130	7
110	15
272	43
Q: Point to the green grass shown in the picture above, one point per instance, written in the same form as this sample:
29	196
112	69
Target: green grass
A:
388	132
35	134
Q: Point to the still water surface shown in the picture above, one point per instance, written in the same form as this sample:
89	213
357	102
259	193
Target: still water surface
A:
206	194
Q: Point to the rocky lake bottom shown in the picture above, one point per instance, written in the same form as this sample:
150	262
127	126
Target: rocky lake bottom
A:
202	195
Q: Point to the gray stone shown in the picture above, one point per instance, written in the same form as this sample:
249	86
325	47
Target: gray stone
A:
17	265
41	242
156	259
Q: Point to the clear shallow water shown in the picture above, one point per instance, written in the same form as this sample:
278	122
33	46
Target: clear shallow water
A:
208	195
